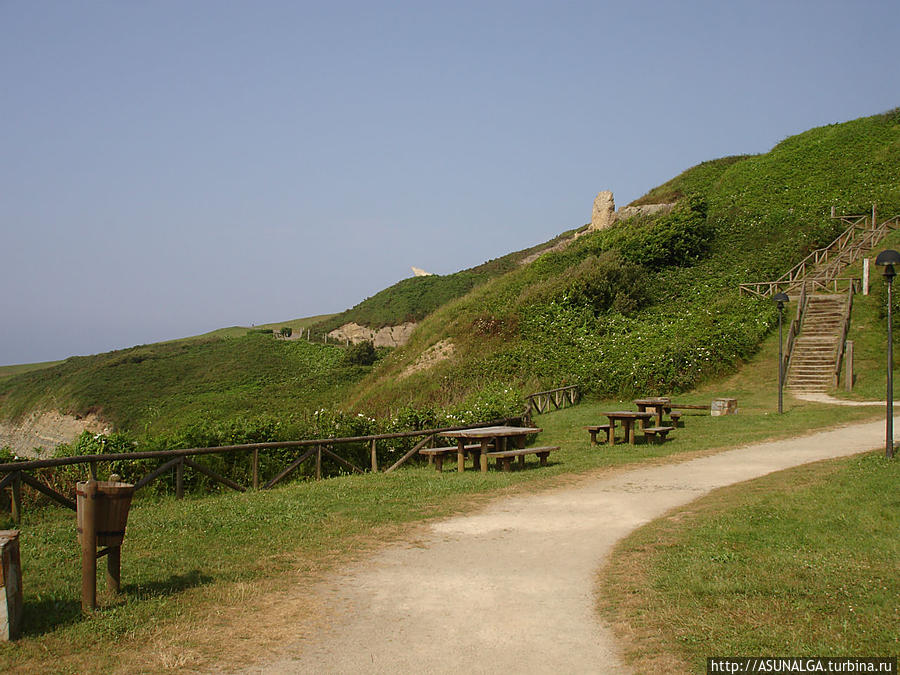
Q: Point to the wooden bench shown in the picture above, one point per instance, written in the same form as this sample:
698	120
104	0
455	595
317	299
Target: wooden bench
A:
597	428
674	415
505	456
660	433
436	455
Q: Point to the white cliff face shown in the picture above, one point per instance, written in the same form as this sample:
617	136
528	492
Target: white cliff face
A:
389	336
46	430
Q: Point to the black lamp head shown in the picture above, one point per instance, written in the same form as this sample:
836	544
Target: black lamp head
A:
887	259
781	298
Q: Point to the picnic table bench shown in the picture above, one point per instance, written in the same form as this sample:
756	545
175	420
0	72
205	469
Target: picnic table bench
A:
656	433
505	457
496	436
596	429
437	455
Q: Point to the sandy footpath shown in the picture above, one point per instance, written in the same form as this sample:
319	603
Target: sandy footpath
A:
511	589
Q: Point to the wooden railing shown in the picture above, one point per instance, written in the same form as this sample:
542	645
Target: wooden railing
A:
820	269
15	474
542	400
793	331
845	327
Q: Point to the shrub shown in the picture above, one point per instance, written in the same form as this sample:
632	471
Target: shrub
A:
361	354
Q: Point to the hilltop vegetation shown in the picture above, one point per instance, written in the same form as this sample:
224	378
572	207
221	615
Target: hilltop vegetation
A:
652	305
648	306
171	385
414	299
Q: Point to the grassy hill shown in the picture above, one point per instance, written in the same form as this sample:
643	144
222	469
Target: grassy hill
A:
170	385
652	306
414	299
648	306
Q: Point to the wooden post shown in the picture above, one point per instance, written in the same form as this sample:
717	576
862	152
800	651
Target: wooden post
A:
16	498
93	470
89	547
256	468
848	365
318	462
11	601
179	479
114	569
374	458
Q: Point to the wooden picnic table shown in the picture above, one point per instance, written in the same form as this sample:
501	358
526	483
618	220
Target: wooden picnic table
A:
628	418
659	405
499	434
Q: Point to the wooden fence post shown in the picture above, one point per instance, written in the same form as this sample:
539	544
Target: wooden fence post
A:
256	468
15	502
848	365
114	568
179	479
318	462
89	547
374	458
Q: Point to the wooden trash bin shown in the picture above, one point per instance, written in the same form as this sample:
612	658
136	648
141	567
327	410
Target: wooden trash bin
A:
110	511
102	513
11	602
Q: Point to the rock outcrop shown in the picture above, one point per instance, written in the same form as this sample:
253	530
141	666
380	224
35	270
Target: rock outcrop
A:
389	336
604	214
643	210
46	430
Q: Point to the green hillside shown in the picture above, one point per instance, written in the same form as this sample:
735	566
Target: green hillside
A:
652	306
648	306
170	385
415	298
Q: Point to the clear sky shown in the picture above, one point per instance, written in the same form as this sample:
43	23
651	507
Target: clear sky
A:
172	167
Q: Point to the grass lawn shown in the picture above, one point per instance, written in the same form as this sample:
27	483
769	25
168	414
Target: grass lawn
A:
189	563
799	562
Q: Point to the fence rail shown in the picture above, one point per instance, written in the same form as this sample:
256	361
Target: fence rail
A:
542	400
820	269
15	474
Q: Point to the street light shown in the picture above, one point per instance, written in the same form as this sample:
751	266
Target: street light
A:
780	298
888	259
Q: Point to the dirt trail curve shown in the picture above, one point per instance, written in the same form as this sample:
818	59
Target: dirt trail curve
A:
511	588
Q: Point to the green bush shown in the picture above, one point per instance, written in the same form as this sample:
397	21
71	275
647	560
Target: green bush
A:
361	353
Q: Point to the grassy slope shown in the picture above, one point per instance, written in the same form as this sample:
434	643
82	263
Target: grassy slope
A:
766	212
414	299
18	369
164	386
792	563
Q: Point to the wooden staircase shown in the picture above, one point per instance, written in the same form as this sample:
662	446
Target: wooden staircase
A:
817	349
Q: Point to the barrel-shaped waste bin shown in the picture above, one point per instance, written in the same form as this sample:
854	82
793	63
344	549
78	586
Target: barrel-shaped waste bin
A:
111	510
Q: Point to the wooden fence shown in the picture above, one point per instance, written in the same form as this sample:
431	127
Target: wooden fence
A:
15	474
542	400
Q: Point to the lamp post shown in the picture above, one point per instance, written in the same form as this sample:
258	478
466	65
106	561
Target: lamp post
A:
780	298
888	259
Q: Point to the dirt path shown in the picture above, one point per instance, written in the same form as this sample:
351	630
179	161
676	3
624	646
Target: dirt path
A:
511	588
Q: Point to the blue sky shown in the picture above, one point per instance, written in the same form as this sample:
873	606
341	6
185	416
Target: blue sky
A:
169	168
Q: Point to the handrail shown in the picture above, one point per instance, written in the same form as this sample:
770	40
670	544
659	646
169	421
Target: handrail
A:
844	250
845	328
794	331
